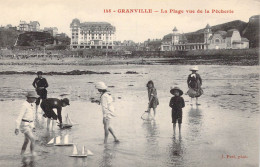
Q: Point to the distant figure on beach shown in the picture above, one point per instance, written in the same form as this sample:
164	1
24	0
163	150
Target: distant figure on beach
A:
40	84
152	97
176	103
25	123
194	83
48	105
107	109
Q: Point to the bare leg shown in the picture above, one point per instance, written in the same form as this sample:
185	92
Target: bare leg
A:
30	136
26	141
174	127
197	100
53	124
179	129
191	101
48	123
106	130
149	113
154	113
112	132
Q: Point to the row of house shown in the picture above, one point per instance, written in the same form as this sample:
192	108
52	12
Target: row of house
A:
101	35
230	39
34	26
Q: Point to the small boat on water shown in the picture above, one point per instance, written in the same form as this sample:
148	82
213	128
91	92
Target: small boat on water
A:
83	154
68	123
58	141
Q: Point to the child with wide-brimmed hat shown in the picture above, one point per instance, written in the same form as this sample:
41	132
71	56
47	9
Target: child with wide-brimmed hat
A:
25	121
176	103
194	82
107	109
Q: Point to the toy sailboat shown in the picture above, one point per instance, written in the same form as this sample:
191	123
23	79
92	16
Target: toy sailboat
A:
76	154
68	123
57	141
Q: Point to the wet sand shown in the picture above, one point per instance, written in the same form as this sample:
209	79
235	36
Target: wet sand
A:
218	59
222	131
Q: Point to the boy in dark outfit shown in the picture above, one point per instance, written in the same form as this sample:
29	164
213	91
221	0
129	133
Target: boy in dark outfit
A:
48	105
40	84
176	103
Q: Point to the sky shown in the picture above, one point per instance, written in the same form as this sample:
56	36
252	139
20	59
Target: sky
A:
129	26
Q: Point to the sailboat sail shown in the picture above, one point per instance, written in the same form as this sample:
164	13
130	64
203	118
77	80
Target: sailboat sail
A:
66	139
76	154
75	150
57	140
89	152
51	141
83	150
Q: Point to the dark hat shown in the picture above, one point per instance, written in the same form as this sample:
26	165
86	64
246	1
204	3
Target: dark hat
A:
176	88
66	101
39	73
32	94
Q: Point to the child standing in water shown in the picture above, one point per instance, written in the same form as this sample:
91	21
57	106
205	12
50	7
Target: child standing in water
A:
194	82
24	122
108	110
176	103
152	97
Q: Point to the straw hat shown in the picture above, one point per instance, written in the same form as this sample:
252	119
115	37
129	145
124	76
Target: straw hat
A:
178	89
101	85
31	94
194	68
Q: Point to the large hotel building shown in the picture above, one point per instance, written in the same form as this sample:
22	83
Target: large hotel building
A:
92	35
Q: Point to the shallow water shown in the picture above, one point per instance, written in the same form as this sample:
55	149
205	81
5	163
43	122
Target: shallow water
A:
225	124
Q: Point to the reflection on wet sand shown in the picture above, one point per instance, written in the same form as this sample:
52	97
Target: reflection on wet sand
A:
175	156
151	135
109	154
195	118
28	161
82	162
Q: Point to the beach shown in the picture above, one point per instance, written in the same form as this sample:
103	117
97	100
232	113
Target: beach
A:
222	131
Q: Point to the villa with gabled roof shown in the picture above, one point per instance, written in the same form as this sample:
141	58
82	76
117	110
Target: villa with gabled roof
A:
202	41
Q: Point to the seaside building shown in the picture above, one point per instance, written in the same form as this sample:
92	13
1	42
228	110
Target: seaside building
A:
32	26
205	40
92	35
52	30
227	40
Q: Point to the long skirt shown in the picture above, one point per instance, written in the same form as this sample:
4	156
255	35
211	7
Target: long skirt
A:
195	92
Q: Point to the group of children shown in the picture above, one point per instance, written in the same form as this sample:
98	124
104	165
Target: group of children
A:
25	120
194	83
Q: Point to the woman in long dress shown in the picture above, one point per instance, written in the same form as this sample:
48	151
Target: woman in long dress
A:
194	82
